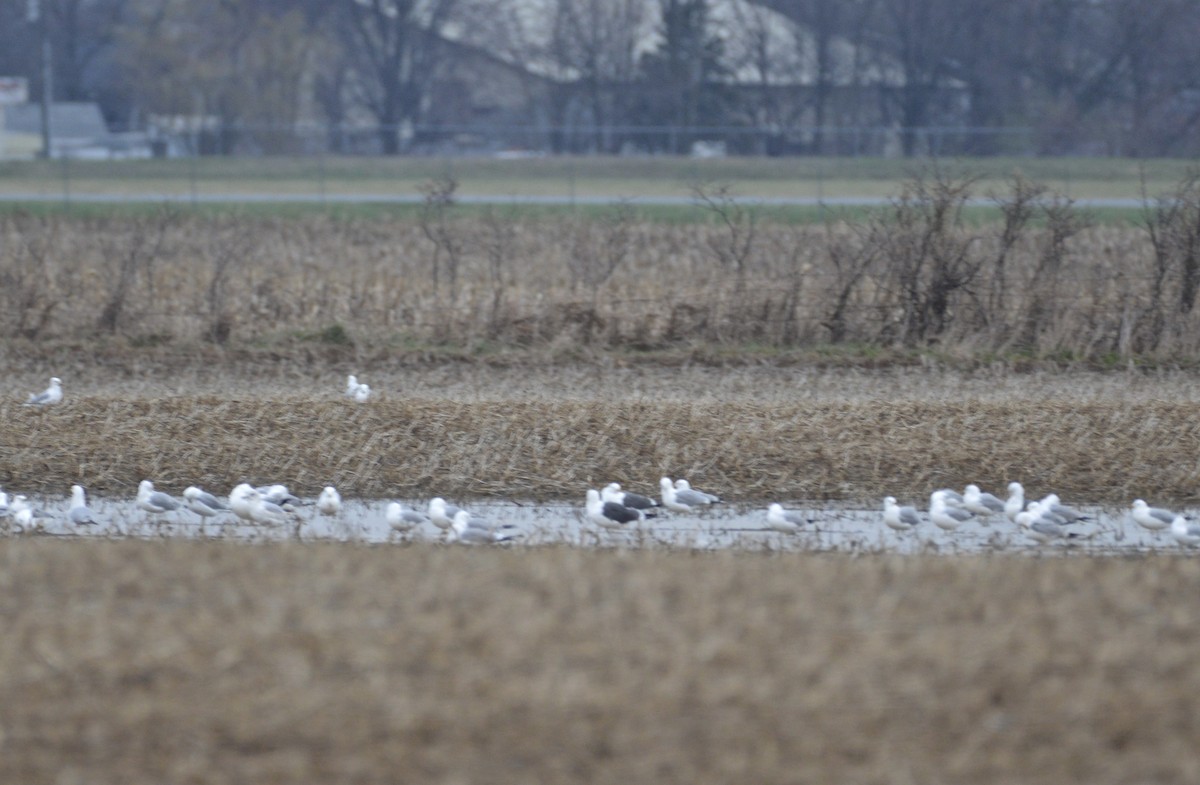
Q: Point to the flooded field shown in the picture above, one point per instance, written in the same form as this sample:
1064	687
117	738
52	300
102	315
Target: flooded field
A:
846	528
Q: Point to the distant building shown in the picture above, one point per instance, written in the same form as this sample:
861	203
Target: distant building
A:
77	130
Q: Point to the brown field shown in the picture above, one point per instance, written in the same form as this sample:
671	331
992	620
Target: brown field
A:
550	432
917	277
170	662
213	350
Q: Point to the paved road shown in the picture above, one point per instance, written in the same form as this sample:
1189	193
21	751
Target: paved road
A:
413	198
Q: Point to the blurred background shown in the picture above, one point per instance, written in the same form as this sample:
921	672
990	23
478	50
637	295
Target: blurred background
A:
120	79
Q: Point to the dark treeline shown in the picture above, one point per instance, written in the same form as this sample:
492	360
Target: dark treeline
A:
1101	77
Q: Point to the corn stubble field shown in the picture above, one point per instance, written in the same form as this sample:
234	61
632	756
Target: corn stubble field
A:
533	358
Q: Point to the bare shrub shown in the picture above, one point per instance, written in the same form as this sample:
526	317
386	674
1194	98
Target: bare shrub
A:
133	254
24	269
733	244
927	252
437	225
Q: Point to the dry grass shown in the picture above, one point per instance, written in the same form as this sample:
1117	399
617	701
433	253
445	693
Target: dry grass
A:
173	662
615	282
1101	450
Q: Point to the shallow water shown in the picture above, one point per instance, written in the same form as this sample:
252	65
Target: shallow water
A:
834	528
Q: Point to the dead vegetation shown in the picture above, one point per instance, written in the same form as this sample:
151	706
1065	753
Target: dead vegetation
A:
175	662
860	449
1039	282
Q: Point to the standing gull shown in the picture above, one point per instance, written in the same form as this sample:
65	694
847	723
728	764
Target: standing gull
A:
899	518
362	394
610	514
22	513
51	395
3	504
154	501
79	514
351	385
329	502
240	499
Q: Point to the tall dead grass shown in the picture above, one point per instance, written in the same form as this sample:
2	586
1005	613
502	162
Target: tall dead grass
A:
1093	451
176	662
1040	281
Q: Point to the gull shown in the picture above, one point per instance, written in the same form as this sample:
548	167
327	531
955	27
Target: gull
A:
363	393
785	521
265	512
472	530
151	500
22	513
689	495
240	500
3	504
203	503
610	514
442	514
401	519
1015	502
1038	528
1187	534
51	395
1070	514
329	502
79	513
945	516
951	496
1152	518
981	503
280	495
670	498
613	493
351	385
897	517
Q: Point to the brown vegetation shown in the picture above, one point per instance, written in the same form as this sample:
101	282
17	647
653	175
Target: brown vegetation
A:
1038	283
174	662
1105	450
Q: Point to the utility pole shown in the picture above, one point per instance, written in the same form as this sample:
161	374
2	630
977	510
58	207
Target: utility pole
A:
34	15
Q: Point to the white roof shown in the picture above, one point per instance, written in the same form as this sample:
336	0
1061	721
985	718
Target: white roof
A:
761	45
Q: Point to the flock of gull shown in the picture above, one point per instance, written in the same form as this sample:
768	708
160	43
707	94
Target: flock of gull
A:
1044	521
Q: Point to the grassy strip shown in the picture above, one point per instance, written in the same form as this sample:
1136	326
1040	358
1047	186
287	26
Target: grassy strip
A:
1090	451
171	662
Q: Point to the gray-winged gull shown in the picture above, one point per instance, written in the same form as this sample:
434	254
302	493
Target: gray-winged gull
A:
401	519
154	501
1152	518
946	516
980	502
1185	532
689	495
786	521
897	517
51	395
202	502
78	513
472	530
441	513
